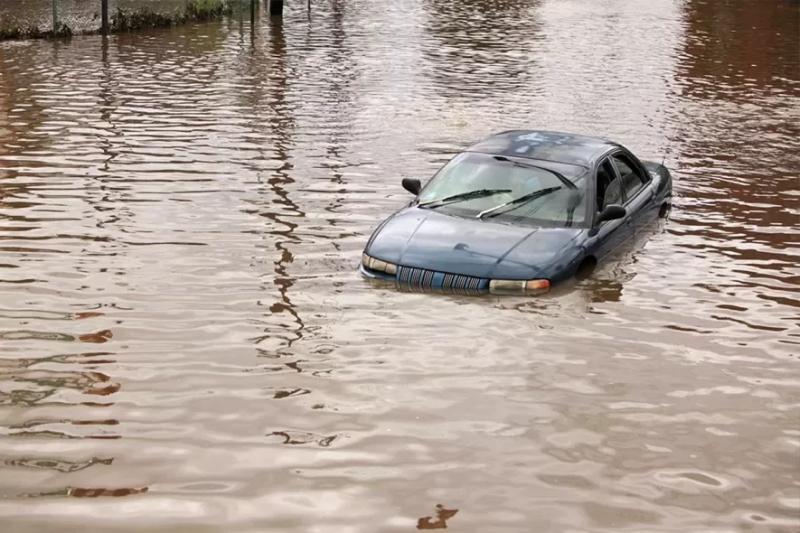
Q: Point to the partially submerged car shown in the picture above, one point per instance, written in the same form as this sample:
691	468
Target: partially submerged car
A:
517	213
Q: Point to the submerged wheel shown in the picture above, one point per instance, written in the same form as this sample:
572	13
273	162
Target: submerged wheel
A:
665	209
586	268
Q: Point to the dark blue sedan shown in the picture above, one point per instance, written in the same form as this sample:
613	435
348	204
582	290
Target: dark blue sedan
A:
516	213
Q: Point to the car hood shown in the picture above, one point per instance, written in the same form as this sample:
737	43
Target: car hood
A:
424	238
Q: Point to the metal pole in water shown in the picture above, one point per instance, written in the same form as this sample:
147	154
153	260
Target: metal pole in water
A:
276	8
253	13
104	16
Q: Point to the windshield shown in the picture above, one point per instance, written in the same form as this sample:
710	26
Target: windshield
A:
511	182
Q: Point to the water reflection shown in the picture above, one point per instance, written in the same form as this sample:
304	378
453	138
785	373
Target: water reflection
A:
280	231
298	437
183	212
80	492
730	50
440	522
57	464
468	50
736	206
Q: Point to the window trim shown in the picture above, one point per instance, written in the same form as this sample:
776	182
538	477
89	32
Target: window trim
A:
595	170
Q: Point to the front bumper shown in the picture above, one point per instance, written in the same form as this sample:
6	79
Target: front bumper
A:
422	280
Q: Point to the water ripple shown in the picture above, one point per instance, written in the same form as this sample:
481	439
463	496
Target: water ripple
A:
182	327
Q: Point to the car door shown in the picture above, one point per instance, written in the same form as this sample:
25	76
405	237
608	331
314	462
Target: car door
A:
609	235
637	189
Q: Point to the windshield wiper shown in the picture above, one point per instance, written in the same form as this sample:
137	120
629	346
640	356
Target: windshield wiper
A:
518	201
563	179
462	197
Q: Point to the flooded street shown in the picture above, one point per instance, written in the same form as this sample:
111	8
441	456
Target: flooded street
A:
186	343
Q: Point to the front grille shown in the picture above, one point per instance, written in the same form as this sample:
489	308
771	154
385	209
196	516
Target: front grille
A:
420	279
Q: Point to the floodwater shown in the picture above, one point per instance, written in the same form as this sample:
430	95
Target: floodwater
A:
186	345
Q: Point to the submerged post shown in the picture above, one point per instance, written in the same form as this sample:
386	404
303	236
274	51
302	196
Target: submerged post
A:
55	17
276	8
104	16
253	4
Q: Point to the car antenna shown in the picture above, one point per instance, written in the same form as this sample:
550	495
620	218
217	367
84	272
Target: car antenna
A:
664	157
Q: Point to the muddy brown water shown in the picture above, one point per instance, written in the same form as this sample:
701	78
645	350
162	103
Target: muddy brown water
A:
185	343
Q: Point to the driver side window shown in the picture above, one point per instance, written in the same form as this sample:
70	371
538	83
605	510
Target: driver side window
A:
609	189
631	180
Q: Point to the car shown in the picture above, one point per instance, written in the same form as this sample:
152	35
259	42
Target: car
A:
518	212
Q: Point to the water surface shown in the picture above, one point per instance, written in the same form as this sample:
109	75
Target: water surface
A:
185	343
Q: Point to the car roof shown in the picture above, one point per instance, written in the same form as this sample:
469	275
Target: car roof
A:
546	146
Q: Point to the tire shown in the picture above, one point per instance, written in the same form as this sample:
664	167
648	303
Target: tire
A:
586	268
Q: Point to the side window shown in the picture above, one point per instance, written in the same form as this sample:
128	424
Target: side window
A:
609	190
632	182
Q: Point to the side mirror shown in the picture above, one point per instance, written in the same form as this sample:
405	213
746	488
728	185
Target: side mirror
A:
412	185
611	212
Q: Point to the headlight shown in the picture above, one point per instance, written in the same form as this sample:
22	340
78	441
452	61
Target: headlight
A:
532	286
376	264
